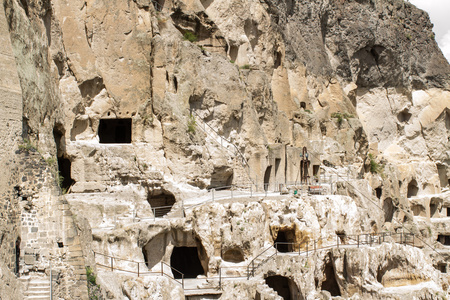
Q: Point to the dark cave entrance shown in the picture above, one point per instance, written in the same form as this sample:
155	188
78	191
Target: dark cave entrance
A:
17	256
378	192
187	261
267	178
444	239
285	241
64	164
330	284
115	131
285	287
389	209
161	202
412	189
64	167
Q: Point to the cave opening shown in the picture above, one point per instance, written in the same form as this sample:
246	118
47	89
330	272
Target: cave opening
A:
233	255
434	205
404	116
285	241
378	192
161	202
284	286
389	209
444	239
412	189
17	256
442	268
267	178
64	168
64	164
115	131
187	261
330	284
448	211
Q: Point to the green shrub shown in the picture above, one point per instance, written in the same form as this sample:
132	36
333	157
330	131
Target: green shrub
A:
91	277
192	124
27	146
190	36
308	111
375	167
245	67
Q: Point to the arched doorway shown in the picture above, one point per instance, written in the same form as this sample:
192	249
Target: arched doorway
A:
187	261
284	286
267	178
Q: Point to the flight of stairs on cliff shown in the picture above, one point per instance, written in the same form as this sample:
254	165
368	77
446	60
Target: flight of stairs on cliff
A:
36	288
266	292
242	172
261	258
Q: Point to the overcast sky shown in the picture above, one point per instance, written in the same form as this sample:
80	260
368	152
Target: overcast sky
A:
439	11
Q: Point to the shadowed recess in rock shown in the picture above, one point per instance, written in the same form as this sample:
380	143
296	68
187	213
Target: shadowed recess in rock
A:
284	286
186	260
115	131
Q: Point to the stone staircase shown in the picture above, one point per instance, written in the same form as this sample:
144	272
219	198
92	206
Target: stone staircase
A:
266	292
261	258
36	287
242	172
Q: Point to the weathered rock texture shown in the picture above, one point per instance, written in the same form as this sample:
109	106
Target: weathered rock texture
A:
138	105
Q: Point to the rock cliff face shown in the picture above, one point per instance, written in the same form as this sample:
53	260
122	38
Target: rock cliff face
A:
138	108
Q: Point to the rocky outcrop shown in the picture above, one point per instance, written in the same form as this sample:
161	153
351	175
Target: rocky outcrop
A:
137	107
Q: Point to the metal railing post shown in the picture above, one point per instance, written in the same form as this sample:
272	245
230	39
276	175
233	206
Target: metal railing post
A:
112	264
51	280
337	240
401	238
251	190
253	268
212	194
220	278
314	246
138	269
162	269
413	239
231	192
357	239
370	239
306	250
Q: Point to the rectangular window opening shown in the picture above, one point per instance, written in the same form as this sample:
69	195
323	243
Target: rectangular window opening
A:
115	131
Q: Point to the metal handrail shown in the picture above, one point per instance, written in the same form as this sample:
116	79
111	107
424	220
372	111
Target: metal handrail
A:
251	268
137	271
238	152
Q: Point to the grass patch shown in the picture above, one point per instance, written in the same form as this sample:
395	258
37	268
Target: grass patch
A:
190	36
341	116
375	168
192	124
245	67
27	146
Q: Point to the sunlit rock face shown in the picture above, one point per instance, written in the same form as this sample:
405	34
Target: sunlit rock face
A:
120	115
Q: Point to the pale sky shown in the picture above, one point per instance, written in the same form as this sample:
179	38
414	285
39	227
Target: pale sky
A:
439	11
